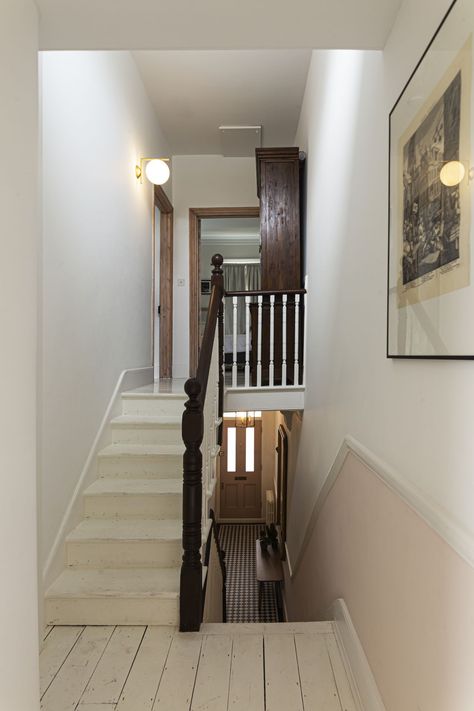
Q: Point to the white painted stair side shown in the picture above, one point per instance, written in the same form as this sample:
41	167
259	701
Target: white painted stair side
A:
141	402
141	460
123	559
117	543
101	597
137	429
134	498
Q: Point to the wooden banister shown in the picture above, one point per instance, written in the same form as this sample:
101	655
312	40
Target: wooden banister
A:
193	432
276	292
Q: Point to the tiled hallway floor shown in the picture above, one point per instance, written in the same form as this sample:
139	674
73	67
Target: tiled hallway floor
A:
238	541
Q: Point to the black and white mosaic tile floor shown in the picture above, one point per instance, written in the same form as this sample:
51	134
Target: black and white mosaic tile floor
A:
238	541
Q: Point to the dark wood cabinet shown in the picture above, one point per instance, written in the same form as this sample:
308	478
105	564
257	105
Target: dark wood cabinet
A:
278	187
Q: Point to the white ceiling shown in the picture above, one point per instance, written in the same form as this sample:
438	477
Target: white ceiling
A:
194	92
215	24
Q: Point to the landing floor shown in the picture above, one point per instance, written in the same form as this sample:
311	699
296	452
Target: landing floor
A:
259	667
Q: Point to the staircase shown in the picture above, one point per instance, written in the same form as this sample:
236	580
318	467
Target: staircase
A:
123	559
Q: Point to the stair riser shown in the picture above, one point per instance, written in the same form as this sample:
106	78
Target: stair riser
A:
153	406
124	554
160	466
112	611
146	435
133	506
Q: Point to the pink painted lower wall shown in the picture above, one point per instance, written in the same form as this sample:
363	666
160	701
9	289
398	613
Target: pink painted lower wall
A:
410	595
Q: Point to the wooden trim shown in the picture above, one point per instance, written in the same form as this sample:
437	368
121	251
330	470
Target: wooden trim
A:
272	292
196	214
162	202
282	482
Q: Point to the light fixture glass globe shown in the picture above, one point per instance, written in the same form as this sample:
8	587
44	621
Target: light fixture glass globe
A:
452	173
157	171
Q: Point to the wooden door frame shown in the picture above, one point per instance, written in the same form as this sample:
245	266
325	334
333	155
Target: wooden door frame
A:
282	482
196	214
162	202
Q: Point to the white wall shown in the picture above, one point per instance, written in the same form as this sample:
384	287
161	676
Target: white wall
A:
415	415
269	443
97	260
19	690
201	181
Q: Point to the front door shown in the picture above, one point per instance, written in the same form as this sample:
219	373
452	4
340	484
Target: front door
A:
241	471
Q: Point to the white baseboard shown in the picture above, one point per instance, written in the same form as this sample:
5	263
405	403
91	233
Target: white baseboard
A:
359	673
128	380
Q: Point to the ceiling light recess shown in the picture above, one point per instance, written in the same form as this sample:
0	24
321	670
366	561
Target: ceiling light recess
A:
240	141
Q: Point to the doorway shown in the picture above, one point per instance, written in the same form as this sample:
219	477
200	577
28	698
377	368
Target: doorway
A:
241	467
196	215
162	290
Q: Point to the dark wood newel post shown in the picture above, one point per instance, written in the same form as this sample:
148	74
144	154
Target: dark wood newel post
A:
191	596
218	280
191	569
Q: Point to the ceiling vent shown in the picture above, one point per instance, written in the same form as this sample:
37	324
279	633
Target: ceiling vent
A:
240	140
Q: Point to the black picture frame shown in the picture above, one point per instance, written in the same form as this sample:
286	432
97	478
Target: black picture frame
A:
399	242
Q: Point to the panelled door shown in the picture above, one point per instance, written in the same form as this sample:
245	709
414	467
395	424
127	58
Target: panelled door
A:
241	471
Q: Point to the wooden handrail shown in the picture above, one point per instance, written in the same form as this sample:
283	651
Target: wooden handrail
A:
274	292
193	432
205	354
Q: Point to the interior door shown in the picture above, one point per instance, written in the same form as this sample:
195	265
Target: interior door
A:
241	471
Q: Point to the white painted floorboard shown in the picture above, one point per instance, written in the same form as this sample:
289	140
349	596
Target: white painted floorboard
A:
260	667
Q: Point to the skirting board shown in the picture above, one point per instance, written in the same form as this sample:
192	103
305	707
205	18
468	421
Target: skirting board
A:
128	380
359	673
445	526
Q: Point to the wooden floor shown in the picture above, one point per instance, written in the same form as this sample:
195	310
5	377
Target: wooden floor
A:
254	667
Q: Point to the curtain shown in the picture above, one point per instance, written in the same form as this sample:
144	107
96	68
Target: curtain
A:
252	277
239	277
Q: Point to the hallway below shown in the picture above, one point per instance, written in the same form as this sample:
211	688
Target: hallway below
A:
238	542
274	667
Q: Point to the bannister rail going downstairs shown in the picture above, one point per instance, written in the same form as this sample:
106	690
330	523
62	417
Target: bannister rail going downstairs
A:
258	338
202	414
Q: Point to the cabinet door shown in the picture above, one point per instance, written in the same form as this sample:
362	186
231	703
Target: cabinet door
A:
278	175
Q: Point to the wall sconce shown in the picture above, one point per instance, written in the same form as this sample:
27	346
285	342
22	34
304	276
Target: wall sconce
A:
157	170
452	173
245	419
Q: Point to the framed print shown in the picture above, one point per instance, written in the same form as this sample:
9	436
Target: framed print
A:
430	270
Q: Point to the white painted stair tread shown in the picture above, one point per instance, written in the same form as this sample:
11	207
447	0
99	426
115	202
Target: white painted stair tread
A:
172	389
117	582
141	450
126	530
149	487
146	421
